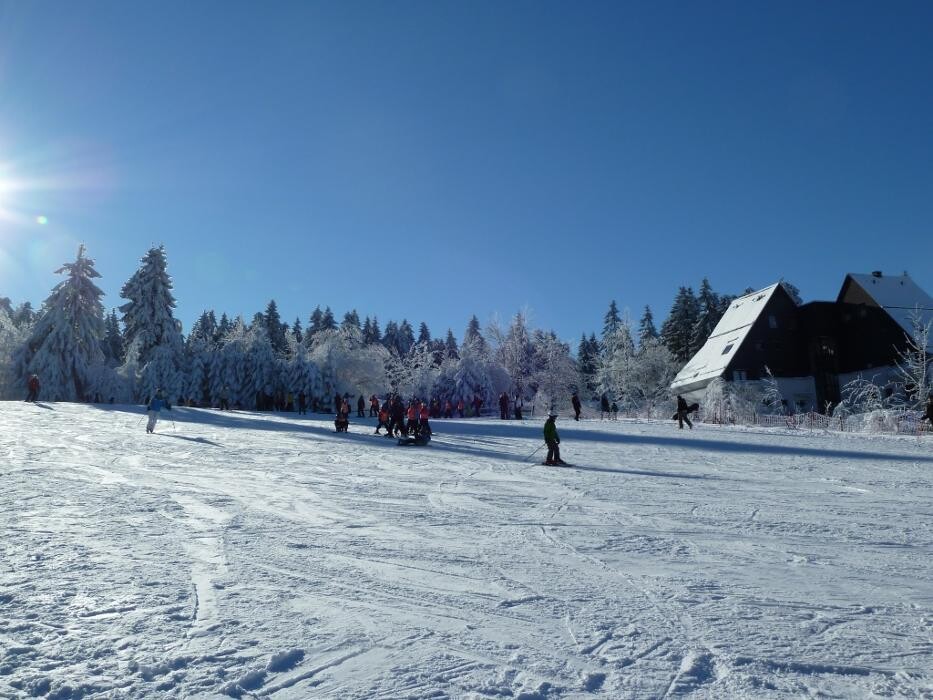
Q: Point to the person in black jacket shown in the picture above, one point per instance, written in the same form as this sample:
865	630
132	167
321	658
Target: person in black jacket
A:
361	407
683	413
504	406
575	402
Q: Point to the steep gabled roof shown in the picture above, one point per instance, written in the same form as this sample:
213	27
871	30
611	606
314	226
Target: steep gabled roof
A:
898	296
726	339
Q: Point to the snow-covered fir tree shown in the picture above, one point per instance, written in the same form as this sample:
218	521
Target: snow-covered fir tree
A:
153	336
328	323
646	328
451	351
474	336
406	337
12	341
351	319
612	320
112	345
424	335
677	329
299	336
587	362
275	329
64	348
708	315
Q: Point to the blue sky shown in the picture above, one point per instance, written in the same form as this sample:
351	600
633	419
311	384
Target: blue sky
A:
432	160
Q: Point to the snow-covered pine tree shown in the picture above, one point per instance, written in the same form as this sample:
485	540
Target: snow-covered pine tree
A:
616	362
708	316
296	331
275	329
406	337
451	351
677	329
24	317
112	344
351	319
646	328
64	348
314	324
223	327
390	337
12	341
586	361
375	334
327	320
153	336
198	351
424	335
474	336
611	320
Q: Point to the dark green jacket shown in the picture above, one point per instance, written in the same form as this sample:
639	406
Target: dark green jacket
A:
550	431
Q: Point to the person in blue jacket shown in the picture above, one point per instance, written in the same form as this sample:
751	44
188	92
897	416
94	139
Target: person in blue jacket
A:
155	405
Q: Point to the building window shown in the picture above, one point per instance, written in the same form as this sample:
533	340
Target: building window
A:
725	350
772	321
739	375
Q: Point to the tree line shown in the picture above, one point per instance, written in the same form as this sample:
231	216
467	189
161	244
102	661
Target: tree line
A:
82	354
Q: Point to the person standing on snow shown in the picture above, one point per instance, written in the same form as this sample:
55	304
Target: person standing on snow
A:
575	402
552	440
361	407
155	405
33	385
503	406
683	413
302	403
225	398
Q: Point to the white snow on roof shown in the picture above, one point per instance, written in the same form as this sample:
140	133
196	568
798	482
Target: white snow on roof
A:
713	358
899	296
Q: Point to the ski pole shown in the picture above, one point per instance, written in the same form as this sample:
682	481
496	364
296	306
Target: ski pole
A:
534	453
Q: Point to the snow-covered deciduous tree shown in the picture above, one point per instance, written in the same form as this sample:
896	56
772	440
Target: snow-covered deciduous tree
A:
555	375
151	331
648	385
515	353
861	395
473	374
64	348
913	362
771	392
347	364
616	361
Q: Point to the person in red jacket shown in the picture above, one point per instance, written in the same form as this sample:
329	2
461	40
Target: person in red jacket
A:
477	405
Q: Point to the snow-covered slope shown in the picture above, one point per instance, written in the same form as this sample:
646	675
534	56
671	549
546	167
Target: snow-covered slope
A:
255	555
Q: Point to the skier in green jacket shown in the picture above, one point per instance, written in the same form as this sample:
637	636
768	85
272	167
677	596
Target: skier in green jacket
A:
552	440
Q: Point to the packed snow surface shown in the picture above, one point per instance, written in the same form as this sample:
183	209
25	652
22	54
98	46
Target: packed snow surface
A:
253	555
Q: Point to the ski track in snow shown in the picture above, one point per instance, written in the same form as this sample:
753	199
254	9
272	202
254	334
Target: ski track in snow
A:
256	555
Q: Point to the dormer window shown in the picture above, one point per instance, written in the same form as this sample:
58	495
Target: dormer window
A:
725	350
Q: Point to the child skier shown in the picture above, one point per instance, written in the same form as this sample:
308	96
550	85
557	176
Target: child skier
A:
552	440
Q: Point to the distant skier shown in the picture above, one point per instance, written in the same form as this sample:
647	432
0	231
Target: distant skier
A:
373	406
517	407
615	410
384	421
503	406
575	402
33	385
604	407
225	398
683	413
361	407
155	406
552	440
302	403
460	407
477	405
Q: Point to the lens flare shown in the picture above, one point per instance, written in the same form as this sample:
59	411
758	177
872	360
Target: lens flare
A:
42	220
